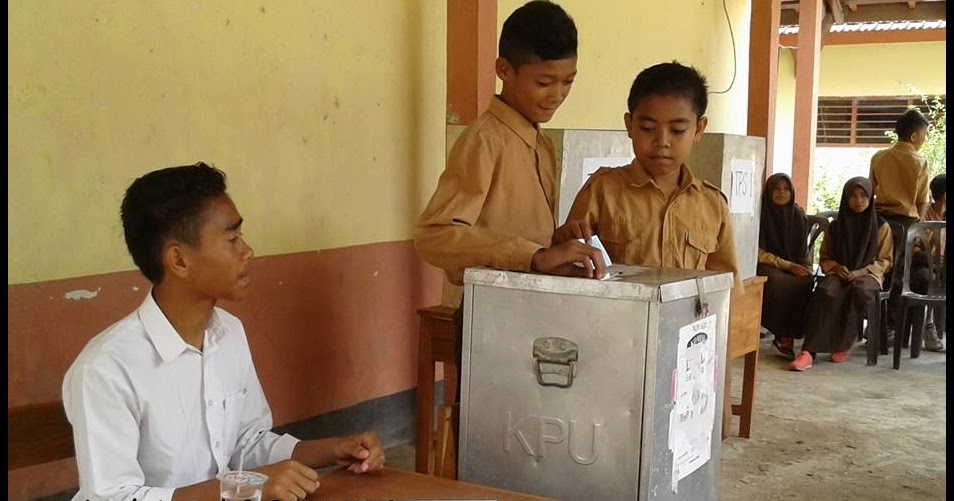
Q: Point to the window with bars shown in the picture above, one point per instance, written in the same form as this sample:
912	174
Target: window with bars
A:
862	121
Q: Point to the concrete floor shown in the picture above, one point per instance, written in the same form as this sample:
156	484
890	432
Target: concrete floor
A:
835	432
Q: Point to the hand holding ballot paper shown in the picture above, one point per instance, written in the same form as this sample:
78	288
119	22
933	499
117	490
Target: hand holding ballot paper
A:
595	242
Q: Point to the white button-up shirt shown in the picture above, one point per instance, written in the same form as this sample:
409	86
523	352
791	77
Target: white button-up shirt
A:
151	413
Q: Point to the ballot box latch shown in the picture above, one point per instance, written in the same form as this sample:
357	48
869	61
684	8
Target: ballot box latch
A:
554	361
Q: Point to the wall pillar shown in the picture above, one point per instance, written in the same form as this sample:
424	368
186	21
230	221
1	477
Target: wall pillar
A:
763	74
807	62
471	52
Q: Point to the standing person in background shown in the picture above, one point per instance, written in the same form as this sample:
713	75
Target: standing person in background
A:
899	177
920	275
785	261
855	252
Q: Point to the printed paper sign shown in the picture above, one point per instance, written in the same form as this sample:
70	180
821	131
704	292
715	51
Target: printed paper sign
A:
742	187
693	416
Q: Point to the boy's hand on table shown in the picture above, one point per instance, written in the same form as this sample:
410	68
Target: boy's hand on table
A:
288	480
360	453
572	230
560	259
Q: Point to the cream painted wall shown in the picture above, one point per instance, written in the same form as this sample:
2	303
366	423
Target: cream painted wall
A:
328	118
858	70
885	68
618	38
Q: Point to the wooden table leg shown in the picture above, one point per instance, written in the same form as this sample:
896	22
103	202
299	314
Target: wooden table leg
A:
425	402
748	394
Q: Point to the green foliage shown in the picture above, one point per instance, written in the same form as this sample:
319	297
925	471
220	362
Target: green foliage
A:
826	194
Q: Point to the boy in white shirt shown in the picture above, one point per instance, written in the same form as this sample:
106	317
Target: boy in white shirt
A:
167	398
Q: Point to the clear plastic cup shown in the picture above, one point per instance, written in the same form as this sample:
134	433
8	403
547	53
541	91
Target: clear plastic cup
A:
241	485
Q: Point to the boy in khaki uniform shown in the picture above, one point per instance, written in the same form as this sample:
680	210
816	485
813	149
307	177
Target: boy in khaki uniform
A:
899	177
899	174
654	212
494	204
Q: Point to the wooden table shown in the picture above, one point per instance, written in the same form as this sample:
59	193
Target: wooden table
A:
342	485
437	343
745	319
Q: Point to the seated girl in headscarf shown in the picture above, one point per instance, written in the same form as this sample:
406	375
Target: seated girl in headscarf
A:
784	259
856	251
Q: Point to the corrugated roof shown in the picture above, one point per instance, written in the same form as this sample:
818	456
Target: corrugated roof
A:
875	26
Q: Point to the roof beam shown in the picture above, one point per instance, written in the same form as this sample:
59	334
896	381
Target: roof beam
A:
836	11
926	11
865	37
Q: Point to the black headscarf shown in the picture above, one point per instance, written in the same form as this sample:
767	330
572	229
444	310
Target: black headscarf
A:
855	235
783	229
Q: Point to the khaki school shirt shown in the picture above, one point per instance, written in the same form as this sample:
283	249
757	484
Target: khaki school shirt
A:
638	226
932	214
876	269
494	204
775	261
900	176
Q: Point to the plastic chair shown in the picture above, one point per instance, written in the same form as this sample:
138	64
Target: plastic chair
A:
817	224
928	234
878	313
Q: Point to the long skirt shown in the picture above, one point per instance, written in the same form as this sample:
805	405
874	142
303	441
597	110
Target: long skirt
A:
836	311
784	301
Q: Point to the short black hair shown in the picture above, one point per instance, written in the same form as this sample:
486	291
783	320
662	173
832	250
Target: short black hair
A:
909	123
671	79
538	30
939	186
167	204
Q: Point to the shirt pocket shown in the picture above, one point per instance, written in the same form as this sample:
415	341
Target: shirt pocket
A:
233	404
620	240
698	247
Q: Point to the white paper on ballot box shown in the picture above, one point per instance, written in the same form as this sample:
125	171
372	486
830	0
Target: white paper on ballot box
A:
692	417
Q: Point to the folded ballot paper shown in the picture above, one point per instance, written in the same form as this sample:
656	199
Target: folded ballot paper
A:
595	242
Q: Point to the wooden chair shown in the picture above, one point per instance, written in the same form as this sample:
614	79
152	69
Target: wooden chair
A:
437	343
37	434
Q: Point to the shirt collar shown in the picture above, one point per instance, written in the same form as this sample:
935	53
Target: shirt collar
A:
164	337
514	121
906	146
637	176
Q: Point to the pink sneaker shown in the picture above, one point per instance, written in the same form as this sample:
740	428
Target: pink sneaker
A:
840	356
802	361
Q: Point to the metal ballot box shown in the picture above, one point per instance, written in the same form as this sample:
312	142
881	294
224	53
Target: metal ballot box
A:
582	389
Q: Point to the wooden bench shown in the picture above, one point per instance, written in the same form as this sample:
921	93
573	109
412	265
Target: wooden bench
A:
437	343
745	319
37	434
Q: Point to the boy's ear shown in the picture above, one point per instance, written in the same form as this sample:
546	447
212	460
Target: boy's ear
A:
700	128
504	69
628	122
174	259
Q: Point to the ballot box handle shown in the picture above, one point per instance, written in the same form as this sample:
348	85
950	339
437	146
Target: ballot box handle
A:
554	361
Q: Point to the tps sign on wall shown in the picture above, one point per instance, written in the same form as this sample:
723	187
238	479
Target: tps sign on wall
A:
742	187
